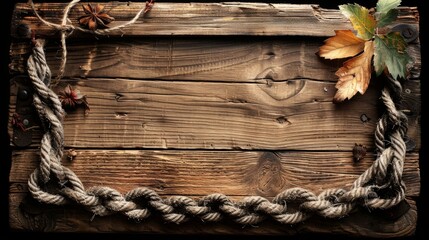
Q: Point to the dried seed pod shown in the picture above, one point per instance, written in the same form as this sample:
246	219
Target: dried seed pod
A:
17	122
95	17
359	152
71	154
71	98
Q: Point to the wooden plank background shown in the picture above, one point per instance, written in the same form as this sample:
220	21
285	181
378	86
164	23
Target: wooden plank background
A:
227	18
196	115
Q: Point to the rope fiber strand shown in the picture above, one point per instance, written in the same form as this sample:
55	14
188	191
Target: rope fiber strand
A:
139	203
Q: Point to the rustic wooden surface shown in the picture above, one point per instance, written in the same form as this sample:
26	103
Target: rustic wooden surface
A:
261	60
233	18
196	173
192	116
203	115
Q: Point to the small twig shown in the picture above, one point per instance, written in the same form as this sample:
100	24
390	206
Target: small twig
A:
149	6
67	28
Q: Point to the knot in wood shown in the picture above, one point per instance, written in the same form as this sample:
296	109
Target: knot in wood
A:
408	32
359	152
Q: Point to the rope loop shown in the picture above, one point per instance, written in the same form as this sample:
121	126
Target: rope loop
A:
379	187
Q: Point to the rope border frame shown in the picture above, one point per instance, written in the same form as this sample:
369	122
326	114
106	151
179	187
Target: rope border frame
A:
140	203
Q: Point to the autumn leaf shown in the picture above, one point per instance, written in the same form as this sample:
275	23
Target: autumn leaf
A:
390	52
343	44
355	74
362	21
388	49
387	18
386	12
384	6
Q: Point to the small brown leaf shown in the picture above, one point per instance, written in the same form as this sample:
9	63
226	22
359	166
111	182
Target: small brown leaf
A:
343	44
355	74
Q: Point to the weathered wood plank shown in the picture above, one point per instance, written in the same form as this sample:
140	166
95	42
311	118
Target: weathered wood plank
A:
206	19
199	173
267	94
223	59
296	114
28	215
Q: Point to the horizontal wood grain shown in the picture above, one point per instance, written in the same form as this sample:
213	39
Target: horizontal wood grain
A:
205	19
201	98
226	59
296	114
197	173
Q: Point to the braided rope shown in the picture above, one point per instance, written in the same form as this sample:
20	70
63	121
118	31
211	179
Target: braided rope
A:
140	203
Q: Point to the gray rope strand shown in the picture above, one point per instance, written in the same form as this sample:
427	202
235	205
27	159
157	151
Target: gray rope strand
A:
67	29
50	111
380	131
139	203
40	74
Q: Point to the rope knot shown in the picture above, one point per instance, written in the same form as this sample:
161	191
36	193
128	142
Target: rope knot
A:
215	199
66	28
380	186
187	205
111	199
295	195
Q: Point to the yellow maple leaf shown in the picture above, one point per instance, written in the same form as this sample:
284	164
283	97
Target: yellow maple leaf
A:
363	22
355	74
343	44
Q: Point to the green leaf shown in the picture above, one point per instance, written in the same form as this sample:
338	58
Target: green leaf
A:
384	6
386	12
362	21
386	19
390	53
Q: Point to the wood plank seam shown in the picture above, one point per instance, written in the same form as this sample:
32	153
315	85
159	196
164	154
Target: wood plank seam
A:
331	203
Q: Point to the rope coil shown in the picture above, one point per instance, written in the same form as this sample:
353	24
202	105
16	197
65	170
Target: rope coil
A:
140	203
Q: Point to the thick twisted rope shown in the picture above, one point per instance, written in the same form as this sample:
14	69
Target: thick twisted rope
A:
139	203
68	28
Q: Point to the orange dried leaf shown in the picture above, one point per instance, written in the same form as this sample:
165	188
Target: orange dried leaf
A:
355	74
343	44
